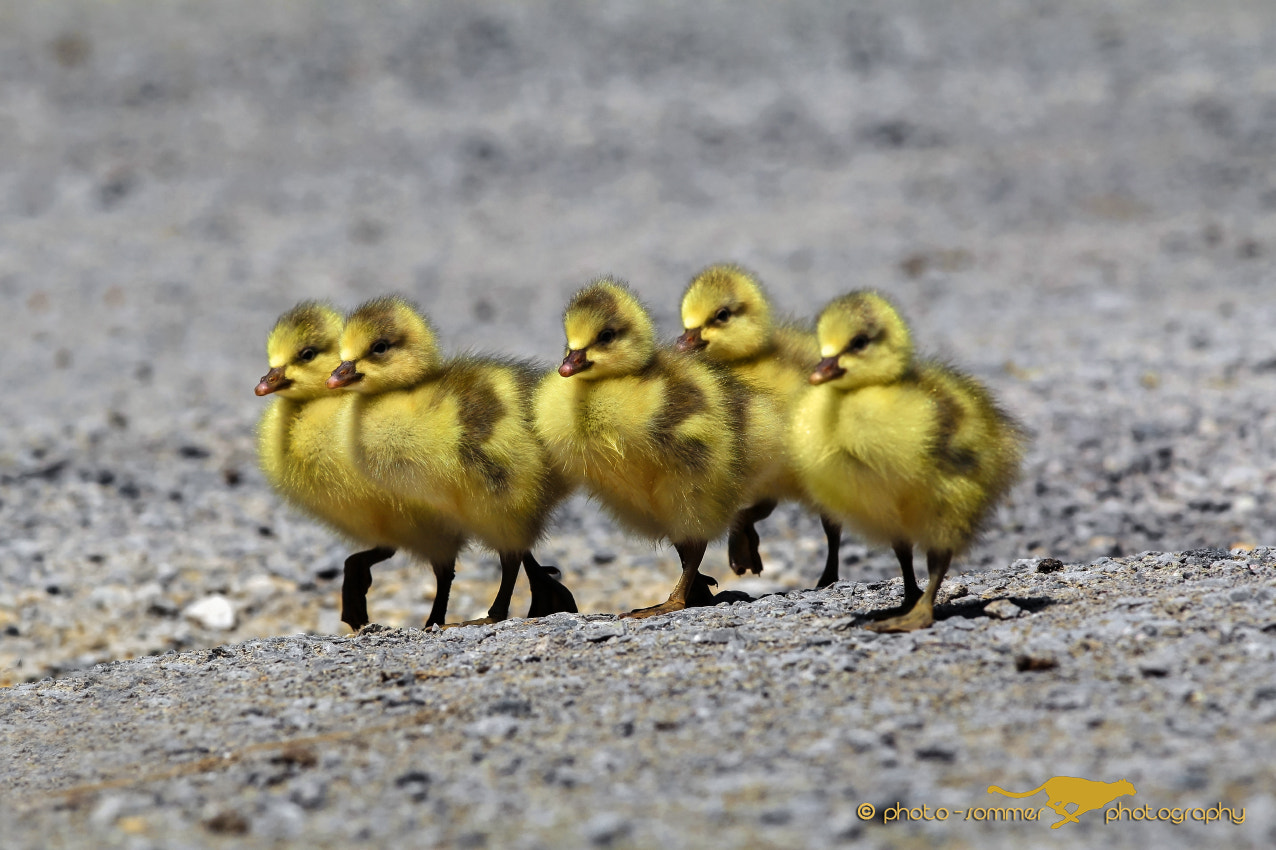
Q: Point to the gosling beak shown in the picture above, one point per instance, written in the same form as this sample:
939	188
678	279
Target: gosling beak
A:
273	381
574	362
344	375
690	341
827	370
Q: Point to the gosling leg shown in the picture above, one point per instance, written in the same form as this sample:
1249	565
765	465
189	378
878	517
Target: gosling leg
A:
742	542
500	610
355	585
443	575
922	614
904	552
832	531
549	596
691	553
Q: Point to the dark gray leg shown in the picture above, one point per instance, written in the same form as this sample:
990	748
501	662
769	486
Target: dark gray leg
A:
833	532
443	575
742	541
904	552
356	583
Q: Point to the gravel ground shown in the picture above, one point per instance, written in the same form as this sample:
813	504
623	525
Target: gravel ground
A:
1076	201
762	725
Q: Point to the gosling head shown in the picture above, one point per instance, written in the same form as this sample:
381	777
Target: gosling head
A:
609	332
302	351
726	314
863	341
386	345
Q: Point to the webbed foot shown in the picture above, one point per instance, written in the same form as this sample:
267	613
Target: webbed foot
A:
481	621
549	595
700	594
921	616
666	607
691	584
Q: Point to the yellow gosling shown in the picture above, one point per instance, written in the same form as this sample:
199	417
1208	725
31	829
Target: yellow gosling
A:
455	434
668	444
301	456
906	451
727	316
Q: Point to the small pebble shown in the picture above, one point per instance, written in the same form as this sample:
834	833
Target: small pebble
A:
1002	609
212	612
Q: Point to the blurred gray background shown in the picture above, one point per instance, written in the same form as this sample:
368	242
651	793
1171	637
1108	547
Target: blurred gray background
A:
1074	200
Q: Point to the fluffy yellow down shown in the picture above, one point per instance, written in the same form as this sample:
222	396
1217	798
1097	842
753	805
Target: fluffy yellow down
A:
671	445
454	434
727	310
902	450
299	447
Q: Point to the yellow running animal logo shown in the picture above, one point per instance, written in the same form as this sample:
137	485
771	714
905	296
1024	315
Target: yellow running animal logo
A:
1086	794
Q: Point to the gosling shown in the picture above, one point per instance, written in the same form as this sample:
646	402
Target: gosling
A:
905	451
455	434
726	315
303	461
663	441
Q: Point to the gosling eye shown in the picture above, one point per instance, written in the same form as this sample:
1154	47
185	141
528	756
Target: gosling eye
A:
307	354
381	346
607	335
859	343
722	315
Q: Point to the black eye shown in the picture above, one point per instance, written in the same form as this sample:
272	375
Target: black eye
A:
381	346
606	336
722	315
307	354
859	343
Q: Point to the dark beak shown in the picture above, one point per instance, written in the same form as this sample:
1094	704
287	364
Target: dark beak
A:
690	341
827	370
273	381
574	362
344	375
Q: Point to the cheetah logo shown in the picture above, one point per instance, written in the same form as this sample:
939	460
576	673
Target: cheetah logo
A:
1063	791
